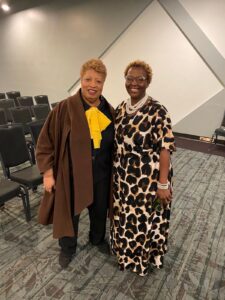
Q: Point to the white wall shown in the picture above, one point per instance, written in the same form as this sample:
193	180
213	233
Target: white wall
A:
210	17
181	80
42	48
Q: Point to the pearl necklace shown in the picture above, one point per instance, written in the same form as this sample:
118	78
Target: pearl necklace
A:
130	109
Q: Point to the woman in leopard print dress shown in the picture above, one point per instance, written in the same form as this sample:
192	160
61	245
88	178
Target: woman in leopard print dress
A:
142	174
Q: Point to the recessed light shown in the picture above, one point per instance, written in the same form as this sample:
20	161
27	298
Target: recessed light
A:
5	7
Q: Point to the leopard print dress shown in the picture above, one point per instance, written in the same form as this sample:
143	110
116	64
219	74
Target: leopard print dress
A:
139	228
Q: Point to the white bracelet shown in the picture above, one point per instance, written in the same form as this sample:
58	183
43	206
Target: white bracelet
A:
163	186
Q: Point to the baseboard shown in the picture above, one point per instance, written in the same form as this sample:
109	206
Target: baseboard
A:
186	135
204	139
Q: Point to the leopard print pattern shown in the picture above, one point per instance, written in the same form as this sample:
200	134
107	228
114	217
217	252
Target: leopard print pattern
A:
139	229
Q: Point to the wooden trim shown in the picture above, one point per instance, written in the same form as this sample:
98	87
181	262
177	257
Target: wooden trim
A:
197	138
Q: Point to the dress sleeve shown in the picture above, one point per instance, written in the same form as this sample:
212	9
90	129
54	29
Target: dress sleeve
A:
164	128
45	148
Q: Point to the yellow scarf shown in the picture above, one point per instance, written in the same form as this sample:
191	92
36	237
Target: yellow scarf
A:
97	122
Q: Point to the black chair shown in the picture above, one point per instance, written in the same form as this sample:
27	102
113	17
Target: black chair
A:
219	131
3	120
35	129
26	101
10	189
54	104
42	99
14	153
28	138
2	95
6	104
22	116
14	95
40	111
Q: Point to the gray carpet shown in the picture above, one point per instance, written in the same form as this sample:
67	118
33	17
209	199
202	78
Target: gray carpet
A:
194	264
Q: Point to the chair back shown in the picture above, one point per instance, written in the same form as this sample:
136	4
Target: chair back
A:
26	101
42	99
22	116
223	122
54	104
3	120
2	95
35	129
13	148
13	95
6	104
40	111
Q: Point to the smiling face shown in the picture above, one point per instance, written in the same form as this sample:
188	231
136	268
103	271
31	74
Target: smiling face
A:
136	83
91	86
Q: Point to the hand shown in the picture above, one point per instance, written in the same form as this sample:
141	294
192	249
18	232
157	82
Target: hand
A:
165	196
49	183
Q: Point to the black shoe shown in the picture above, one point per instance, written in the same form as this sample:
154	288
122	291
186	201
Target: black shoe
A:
96	241
102	245
65	259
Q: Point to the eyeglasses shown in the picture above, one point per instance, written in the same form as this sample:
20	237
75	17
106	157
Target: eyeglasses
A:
138	80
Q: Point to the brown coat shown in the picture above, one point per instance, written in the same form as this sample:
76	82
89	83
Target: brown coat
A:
52	151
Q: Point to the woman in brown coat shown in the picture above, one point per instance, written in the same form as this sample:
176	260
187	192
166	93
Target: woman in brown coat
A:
74	155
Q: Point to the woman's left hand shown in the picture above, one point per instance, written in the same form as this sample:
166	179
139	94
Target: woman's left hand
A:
165	196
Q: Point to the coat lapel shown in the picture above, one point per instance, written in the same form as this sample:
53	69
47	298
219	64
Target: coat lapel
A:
80	144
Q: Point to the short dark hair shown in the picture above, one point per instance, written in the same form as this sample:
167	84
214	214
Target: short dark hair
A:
140	64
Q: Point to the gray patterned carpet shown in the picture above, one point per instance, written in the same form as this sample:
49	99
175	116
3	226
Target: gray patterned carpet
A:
194	265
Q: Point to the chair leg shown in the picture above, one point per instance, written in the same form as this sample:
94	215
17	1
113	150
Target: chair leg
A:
34	189
26	202
31	153
216	139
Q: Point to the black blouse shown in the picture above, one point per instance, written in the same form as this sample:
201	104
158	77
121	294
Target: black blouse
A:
102	157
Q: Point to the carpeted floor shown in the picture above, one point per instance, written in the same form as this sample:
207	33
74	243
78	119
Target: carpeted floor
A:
194	264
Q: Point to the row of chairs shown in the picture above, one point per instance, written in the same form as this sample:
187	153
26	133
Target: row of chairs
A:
20	172
26	100
18	137
10	113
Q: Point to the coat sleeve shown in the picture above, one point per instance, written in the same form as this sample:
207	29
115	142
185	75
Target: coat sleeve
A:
46	144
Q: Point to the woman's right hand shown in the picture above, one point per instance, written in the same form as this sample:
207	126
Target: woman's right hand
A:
49	181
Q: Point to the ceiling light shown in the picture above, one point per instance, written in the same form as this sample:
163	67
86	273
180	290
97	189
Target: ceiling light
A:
5	7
